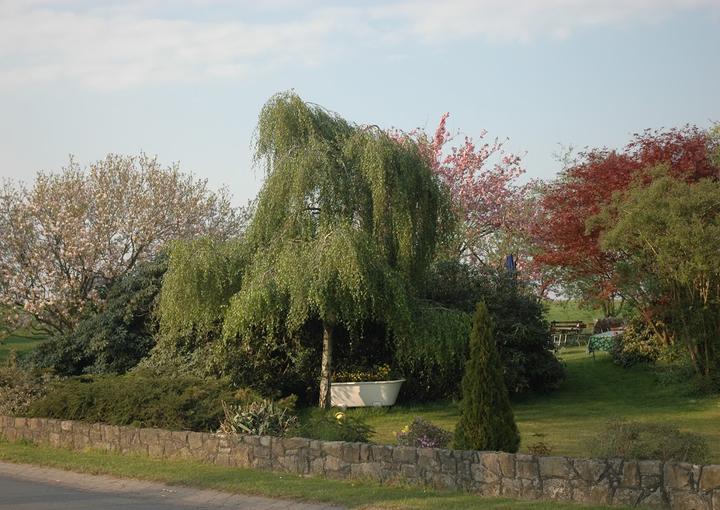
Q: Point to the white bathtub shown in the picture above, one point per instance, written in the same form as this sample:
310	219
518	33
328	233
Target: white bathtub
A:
365	394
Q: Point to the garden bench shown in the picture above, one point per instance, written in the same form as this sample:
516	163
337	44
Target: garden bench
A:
562	330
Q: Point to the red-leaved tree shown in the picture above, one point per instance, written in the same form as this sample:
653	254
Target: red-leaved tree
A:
564	238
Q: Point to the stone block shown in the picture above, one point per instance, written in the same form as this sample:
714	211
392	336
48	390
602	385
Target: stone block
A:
65	425
336	464
351	452
554	467
526	467
627	496
506	461
710	478
653	499
650	467
590	470
689	501
678	475
557	488
631	475
381	453
448	463
511	487
591	492
295	443
332	448
404	455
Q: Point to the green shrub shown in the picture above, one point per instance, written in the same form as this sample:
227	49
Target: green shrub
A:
263	418
115	339
423	434
433	356
378	373
637	345
19	388
657	441
486	418
179	403
333	425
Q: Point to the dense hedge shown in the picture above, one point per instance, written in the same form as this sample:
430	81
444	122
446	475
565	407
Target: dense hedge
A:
178	403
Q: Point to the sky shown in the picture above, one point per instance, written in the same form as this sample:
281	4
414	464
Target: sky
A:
185	79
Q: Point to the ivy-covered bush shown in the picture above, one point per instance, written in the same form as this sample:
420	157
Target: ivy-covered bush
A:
433	356
658	441
116	338
178	403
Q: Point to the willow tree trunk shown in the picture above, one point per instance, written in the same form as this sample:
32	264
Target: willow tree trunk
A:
326	365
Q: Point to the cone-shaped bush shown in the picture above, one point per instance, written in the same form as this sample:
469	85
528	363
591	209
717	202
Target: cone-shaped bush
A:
486	418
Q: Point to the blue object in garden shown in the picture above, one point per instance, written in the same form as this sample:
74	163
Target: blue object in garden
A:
510	264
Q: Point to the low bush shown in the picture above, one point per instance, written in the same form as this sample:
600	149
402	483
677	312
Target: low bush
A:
333	425
19	388
261	418
378	373
637	345
179	403
657	441
423	434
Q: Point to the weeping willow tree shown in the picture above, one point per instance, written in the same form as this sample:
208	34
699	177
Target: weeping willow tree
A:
345	227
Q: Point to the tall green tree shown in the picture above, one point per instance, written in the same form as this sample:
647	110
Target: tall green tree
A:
486	418
346	225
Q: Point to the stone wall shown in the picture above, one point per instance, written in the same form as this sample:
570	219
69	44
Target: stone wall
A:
613	481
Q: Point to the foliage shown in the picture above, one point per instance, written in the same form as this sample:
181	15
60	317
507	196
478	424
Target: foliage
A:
346	224
117	337
637	344
70	236
486	419
263	417
20	388
431	357
178	403
656	441
667	237
333	425
378	373
423	434
482	180
435	353
607	323
564	238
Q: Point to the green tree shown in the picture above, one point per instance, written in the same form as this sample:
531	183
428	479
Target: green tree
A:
346	224
486	418
345	227
667	237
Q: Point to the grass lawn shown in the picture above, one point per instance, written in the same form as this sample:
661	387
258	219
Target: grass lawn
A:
569	310
595	390
20	344
245	481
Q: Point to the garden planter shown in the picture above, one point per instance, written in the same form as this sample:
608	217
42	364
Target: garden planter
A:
365	394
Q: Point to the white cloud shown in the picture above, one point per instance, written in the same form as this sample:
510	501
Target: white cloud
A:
114	44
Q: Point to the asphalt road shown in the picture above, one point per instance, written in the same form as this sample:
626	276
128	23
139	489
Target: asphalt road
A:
24	487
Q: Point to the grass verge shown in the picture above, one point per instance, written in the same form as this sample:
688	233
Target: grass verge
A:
359	495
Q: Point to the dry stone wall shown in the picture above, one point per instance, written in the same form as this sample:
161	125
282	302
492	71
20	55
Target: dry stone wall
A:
604	481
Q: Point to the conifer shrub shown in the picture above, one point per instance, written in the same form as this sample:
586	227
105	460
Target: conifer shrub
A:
486	418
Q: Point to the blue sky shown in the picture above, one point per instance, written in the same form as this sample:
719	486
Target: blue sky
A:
186	79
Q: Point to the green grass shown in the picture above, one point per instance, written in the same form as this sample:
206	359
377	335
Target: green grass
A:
364	495
18	343
570	310
567	419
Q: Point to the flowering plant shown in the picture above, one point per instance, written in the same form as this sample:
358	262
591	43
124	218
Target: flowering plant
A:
377	373
423	434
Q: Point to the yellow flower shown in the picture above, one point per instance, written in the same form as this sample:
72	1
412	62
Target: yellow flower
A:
406	429
340	416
